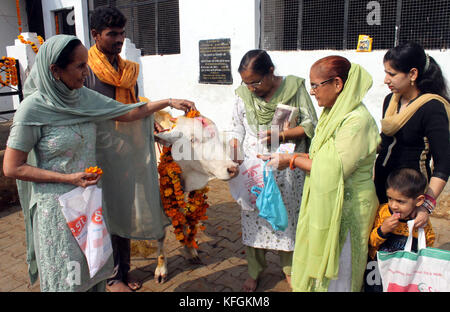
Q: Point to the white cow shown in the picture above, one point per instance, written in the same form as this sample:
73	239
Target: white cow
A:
199	151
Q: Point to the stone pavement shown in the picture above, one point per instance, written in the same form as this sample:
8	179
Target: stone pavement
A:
220	248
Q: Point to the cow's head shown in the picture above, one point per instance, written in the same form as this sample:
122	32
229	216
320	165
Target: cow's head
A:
199	151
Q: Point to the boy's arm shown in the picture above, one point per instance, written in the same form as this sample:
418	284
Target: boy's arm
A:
376	237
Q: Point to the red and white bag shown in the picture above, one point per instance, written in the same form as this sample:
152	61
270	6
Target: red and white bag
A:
250	175
428	270
82	208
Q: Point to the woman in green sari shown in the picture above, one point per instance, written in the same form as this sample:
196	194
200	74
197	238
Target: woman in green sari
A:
339	200
52	141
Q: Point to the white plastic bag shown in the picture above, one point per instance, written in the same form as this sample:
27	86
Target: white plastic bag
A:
82	208
250	174
428	270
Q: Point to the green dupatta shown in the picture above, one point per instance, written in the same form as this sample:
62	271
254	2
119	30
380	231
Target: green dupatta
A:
285	94
49	102
317	250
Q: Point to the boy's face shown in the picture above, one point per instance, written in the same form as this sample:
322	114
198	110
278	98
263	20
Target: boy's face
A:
109	40
402	204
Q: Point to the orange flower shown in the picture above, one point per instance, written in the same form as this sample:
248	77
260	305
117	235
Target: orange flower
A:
95	169
184	215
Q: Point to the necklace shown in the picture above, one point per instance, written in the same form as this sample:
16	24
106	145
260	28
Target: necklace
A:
407	104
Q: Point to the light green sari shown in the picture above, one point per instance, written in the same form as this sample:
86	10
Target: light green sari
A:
338	195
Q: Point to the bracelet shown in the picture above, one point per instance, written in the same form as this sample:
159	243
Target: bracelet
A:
170	102
429	203
282	134
291	162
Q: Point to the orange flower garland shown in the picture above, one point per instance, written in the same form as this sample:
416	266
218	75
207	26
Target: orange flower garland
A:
8	65
33	45
184	215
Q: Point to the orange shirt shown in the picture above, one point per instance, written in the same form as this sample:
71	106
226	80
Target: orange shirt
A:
375	240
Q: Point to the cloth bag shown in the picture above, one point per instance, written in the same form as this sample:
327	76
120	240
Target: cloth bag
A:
269	201
82	208
428	270
250	174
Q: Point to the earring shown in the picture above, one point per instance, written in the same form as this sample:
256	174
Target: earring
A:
412	82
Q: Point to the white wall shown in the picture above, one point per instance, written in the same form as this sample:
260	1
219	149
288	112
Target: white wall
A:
81	17
9	30
177	76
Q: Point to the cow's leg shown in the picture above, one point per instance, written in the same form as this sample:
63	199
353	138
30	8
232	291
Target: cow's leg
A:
192	255
161	271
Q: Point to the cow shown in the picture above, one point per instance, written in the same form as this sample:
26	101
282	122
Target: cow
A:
202	155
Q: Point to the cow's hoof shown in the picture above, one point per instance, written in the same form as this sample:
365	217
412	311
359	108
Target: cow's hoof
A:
160	279
195	260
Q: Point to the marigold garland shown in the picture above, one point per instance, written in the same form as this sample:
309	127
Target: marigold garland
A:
185	216
33	45
8	65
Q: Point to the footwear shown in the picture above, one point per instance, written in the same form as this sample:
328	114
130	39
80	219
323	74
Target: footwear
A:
118	287
250	285
134	284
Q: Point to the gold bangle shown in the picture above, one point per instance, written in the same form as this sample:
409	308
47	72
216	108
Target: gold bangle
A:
282	134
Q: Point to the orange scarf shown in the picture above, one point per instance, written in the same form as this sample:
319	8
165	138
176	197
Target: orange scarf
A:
124	78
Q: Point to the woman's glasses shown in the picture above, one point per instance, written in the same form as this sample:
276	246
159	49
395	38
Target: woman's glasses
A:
254	85
314	86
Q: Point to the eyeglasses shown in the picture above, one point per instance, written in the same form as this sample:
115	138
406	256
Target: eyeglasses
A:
254	85
314	86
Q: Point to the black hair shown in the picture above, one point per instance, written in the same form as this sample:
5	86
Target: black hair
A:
409	182
257	61
410	55
66	55
104	17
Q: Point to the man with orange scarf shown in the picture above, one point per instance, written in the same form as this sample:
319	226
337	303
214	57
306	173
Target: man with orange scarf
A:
115	77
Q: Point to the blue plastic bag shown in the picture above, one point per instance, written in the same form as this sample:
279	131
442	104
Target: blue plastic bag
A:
270	203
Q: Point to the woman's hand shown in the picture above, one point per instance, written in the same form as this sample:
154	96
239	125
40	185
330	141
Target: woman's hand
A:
83	179
421	216
276	160
184	105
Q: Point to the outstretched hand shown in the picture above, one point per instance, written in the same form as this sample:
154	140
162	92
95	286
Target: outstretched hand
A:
184	105
83	179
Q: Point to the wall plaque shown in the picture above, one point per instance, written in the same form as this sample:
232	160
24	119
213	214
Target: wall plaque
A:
215	61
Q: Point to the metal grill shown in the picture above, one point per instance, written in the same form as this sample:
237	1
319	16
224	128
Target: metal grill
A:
152	25
336	24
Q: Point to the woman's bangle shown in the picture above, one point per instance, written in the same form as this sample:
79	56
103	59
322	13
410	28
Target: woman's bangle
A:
429	204
291	162
283	136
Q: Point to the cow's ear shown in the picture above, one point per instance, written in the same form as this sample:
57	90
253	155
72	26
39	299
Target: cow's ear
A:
167	138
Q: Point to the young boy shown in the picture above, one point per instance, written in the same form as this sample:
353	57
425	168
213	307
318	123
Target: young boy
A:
405	190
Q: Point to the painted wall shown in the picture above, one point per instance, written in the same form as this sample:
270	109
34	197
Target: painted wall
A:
9	30
81	17
177	76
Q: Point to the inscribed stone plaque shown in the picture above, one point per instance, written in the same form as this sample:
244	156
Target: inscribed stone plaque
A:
215	61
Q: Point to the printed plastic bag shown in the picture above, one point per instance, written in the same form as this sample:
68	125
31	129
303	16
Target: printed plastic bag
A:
250	174
82	208
269	201
428	270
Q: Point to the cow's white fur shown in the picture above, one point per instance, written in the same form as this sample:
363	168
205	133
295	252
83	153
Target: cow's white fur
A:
198	150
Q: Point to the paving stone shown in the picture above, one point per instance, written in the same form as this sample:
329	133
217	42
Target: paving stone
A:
224	267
